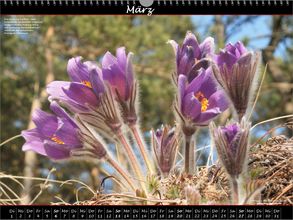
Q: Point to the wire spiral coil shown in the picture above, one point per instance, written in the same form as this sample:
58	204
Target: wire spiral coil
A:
158	2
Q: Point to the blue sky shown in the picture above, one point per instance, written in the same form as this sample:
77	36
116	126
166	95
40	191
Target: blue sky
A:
255	31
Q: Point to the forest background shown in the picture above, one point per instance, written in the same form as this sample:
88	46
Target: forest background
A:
29	62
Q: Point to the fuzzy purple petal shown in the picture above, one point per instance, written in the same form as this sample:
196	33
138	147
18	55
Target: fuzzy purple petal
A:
241	48
55	89
60	112
46	123
186	62
91	65
230	54
195	84
56	151
35	146
207	116
246	59
208	85
190	40
225	57
121	57
77	71
117	80
33	142
108	60
32	135
218	99
182	80
81	94
96	81
68	133
230	132
207	47
191	107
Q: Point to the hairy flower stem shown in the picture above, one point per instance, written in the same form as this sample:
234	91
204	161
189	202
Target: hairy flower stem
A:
235	194
142	147
116	166
132	159
189	155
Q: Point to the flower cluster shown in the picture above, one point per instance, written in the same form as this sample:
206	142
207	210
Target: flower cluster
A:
199	100
93	97
207	83
101	100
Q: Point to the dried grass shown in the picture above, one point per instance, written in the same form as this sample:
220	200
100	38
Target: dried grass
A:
270	163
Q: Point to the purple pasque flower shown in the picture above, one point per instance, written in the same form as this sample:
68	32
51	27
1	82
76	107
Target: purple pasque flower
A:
59	137
87	95
55	136
231	142
235	69
118	72
84	91
165	144
199	101
190	57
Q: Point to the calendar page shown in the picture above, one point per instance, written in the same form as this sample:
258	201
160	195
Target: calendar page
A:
143	109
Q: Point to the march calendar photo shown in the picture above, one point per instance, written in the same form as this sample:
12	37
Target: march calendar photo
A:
146	109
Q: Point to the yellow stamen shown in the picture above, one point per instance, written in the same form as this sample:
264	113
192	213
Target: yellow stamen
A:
57	140
87	83
203	100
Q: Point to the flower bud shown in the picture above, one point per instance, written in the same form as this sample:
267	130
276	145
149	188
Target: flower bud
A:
231	142
235	69
165	145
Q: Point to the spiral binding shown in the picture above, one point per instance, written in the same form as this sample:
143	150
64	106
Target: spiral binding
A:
158	2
